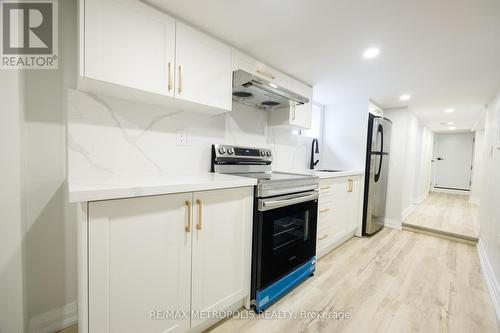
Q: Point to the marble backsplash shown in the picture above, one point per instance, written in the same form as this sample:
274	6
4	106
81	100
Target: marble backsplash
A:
109	137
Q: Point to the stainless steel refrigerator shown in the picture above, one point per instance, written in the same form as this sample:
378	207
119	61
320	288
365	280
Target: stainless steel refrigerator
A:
376	174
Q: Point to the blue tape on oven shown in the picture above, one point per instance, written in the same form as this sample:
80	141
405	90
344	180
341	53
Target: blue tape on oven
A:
267	296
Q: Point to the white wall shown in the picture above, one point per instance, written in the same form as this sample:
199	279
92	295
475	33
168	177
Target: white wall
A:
425	140
345	131
11	263
477	167
49	223
411	145
38	256
397	169
413	141
489	207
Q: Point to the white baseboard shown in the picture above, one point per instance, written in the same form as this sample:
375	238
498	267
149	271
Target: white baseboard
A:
407	212
442	190
393	224
54	320
491	280
421	198
473	200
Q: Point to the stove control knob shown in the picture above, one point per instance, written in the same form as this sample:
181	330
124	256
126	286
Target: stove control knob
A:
222	150
262	153
230	151
269	153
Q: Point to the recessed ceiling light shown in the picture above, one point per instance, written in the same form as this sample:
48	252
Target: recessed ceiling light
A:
450	110
405	97
451	123
451	127
371	53
273	85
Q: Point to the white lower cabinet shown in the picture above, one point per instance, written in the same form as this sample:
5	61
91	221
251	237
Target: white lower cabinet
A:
169	254
340	211
221	250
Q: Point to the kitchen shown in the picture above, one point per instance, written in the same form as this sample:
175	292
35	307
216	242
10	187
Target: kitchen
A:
262	199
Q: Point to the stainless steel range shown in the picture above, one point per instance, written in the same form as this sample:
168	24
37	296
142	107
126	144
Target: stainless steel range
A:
285	220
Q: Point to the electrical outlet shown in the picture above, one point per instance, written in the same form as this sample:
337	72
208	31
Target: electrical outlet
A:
183	138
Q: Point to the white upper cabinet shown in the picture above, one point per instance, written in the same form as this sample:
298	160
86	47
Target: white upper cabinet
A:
295	116
132	51
257	68
375	110
302	114
203	71
128	44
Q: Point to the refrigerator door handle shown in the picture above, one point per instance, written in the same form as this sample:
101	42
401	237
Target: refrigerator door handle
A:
381	131
377	174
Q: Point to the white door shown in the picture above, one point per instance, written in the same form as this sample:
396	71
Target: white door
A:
204	69
129	44
221	248
139	262
302	114
453	160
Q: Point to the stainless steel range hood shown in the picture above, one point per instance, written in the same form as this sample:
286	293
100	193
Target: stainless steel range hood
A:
251	90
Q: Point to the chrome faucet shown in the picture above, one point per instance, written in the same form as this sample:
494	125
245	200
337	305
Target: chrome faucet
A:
313	163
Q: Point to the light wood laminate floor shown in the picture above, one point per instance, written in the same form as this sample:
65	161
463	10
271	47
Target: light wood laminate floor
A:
446	213
395	281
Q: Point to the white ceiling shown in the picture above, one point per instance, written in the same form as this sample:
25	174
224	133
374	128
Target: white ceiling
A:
444	53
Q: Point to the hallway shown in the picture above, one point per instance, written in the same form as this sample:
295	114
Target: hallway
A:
446	214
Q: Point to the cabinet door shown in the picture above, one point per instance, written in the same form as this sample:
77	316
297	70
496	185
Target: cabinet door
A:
203	72
139	262
301	115
221	248
129	44
340	211
354	203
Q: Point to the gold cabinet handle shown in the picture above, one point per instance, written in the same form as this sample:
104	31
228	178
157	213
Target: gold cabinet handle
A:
269	75
324	210
200	212
169	76
187	227
350	185
325	188
323	237
180	79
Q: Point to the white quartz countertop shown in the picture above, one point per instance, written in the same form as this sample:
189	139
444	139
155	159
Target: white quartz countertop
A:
337	174
137	186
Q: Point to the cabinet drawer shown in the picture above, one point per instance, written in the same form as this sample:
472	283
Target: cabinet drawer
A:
325	189
324	238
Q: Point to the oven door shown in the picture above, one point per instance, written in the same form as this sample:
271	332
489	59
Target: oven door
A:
287	234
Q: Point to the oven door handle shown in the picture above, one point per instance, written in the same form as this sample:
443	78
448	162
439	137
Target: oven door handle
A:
267	204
